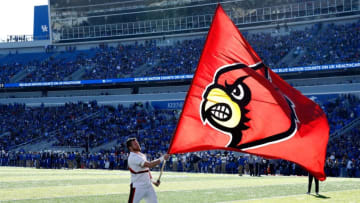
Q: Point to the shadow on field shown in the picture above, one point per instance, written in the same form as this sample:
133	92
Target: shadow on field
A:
322	196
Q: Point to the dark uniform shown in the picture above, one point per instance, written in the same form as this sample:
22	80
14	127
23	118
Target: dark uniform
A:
311	177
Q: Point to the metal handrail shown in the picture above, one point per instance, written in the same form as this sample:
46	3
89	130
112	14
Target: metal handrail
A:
53	133
196	22
346	128
22	38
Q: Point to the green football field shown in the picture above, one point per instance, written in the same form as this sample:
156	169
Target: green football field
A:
47	185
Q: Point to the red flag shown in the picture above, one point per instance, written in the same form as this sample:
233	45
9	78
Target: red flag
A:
236	103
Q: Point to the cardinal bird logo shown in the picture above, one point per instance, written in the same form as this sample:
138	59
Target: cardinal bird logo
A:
224	103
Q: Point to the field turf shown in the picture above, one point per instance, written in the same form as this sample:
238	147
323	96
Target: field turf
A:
47	185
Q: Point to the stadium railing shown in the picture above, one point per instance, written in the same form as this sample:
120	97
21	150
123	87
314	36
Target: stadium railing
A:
195	23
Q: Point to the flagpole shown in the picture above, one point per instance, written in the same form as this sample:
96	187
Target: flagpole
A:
161	171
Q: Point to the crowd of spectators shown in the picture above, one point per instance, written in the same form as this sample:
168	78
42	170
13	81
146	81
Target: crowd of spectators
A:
20	124
153	127
201	162
341	111
181	58
7	71
86	124
344	149
336	43
61	159
56	69
120	61
316	44
89	125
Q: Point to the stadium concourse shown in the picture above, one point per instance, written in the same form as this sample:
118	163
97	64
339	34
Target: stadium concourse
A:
154	129
316	44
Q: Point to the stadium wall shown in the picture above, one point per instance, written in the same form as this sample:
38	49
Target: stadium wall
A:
23	47
150	88
127	99
163	40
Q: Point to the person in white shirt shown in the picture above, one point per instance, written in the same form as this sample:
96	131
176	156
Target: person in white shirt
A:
349	168
141	180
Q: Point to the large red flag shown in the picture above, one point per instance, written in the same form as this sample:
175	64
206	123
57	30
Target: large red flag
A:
236	103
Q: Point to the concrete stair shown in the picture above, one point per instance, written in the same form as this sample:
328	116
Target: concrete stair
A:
354	123
107	145
77	75
46	142
143	69
22	74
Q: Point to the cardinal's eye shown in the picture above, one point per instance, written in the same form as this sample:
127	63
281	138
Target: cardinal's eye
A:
238	92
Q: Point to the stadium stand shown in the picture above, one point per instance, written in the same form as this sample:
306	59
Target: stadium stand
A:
92	125
120	61
87	134
52	68
319	44
335	43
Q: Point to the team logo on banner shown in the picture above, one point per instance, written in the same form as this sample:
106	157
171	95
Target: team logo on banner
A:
224	103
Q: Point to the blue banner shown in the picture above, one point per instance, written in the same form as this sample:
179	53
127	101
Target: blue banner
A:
177	104
316	68
173	77
41	23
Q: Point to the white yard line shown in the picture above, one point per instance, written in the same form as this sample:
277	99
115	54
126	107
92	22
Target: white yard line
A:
65	197
282	196
262	198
